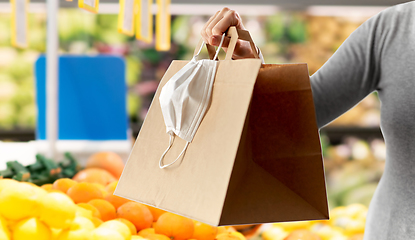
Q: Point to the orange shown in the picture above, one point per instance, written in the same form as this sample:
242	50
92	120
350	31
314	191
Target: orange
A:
302	234
97	221
47	186
129	224
106	160
174	226
94	175
225	229
110	197
156	212
157	237
102	188
146	232
105	208
63	184
229	236
203	231
94	210
84	192
136	213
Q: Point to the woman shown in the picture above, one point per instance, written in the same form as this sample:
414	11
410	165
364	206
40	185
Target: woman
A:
378	56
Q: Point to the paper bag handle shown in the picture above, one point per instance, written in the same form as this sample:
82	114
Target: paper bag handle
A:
236	34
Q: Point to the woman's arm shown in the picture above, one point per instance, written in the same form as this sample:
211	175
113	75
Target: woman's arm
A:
350	74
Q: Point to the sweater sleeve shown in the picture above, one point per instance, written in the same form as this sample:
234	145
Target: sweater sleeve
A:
350	74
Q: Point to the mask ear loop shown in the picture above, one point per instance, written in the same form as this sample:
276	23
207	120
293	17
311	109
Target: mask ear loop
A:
161	165
220	46
172	136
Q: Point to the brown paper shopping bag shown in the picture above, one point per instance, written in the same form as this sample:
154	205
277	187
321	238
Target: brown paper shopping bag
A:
256	157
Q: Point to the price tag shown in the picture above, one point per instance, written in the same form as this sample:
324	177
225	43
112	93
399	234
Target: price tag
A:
89	5
19	23
163	25
126	17
144	21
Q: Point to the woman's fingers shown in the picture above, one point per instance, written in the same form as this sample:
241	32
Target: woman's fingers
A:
215	20
203	31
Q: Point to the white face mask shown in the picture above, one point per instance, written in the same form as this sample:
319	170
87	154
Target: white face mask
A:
185	97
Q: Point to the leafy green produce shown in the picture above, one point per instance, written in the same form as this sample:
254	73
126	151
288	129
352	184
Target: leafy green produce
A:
296	30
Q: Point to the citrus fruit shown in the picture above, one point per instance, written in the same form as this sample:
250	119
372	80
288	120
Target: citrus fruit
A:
136	213
82	212
7	182
84	192
63	184
227	236
80	234
97	221
5	234
117	226
129	224
55	233
94	210
22	201
136	237
102	188
302	234
47	186
156	212
57	210
106	210
82	223
146	232
174	226
204	231
113	199
157	237
94	175
106	234
31	228
225	229
106	160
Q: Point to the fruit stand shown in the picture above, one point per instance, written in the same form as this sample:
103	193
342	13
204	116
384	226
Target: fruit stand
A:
66	193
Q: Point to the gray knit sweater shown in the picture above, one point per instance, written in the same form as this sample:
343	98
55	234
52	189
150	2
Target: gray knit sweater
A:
380	56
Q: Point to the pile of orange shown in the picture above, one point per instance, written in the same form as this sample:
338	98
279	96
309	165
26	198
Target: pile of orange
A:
85	208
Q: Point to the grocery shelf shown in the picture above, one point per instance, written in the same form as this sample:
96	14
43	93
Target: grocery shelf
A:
337	133
18	134
334	133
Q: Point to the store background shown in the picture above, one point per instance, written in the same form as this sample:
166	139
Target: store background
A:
285	31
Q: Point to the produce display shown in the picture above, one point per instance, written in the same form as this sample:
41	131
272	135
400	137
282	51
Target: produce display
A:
84	207
346	223
42	171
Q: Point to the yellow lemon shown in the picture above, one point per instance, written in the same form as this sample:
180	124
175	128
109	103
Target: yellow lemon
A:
80	234
354	210
129	224
136	237
82	223
57	210
55	233
355	227
274	233
4	230
19	201
7	182
326	232
4	234
96	221
82	212
31	228
106	234
118	226
290	226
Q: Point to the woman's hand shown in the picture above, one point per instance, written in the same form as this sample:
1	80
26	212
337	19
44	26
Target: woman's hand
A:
218	24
